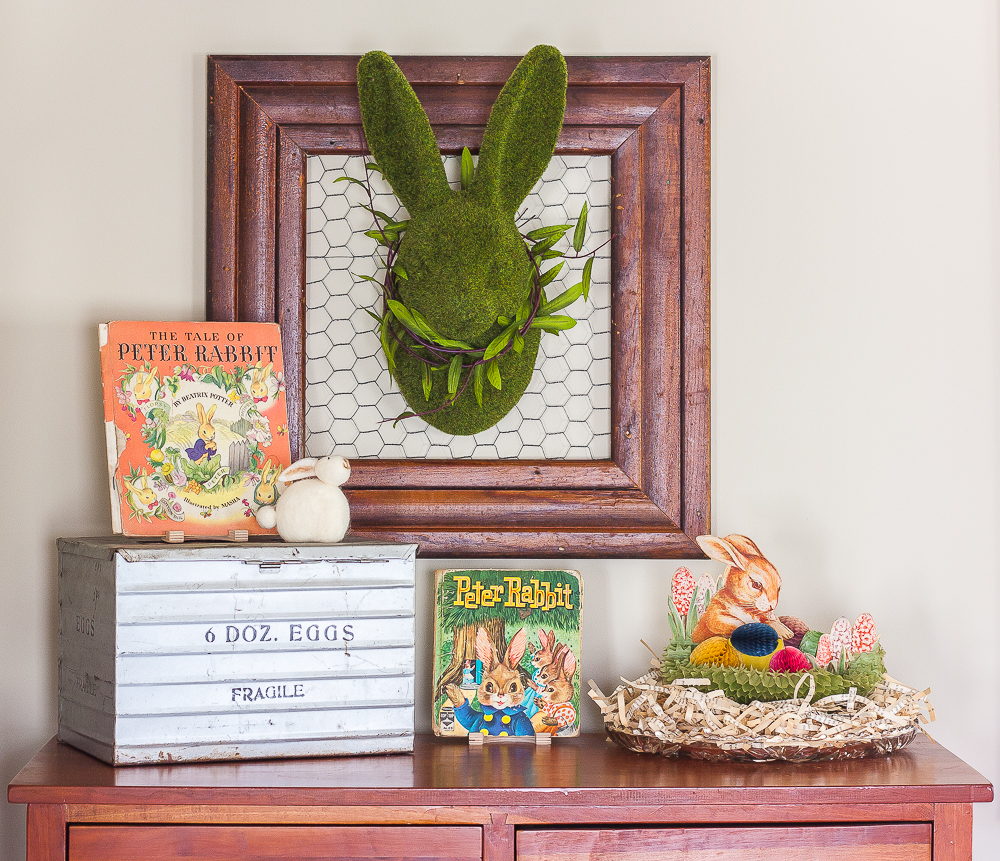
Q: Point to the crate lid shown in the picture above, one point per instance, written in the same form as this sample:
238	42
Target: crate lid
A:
151	550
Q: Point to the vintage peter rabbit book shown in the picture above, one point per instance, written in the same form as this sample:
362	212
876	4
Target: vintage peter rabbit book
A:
196	423
507	653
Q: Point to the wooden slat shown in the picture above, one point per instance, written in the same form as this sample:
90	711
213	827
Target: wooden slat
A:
221	206
46	832
256	222
320	138
952	832
391	814
463	105
627	349
456	474
290	299
661	320
697	260
273	843
817	843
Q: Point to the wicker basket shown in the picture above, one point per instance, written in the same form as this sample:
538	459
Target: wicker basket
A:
680	720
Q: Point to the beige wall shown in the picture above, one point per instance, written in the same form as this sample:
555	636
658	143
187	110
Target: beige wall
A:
855	330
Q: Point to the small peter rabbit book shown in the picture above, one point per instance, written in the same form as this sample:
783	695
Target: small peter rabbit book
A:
507	653
196	424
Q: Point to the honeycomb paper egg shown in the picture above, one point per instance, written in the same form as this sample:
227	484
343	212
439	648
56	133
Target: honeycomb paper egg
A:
755	643
863	635
809	642
797	627
715	650
789	660
824	650
681	590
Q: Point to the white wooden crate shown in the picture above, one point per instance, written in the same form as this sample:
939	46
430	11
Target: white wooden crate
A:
217	652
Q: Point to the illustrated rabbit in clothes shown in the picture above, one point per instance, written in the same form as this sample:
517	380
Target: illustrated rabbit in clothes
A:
465	262
501	691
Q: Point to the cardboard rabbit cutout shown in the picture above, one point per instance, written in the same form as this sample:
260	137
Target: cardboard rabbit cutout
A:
464	258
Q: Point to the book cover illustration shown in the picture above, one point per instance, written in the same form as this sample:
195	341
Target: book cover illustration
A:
196	425
507	652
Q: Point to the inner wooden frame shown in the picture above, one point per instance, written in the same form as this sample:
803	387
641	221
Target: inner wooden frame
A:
266	115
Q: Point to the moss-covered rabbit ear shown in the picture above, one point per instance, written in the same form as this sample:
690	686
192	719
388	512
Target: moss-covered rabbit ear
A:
521	134
399	134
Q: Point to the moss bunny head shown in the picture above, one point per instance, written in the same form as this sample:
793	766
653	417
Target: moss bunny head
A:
464	260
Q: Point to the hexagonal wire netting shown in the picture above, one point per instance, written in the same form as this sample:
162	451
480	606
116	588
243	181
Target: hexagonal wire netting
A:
351	398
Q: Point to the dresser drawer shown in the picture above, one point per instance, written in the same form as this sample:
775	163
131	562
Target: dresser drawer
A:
273	843
806	843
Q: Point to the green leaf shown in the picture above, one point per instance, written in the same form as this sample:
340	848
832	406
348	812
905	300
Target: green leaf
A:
549	275
427	382
587	267
561	301
383	237
367	278
350	179
468	169
412	320
553	231
388	343
549	255
581	229
493	375
498	343
544	245
477	383
553	324
518	343
503	321
400	272
389	221
372	166
372	314
454	374
402	416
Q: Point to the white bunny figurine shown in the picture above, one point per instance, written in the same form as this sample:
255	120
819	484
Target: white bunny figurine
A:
312	507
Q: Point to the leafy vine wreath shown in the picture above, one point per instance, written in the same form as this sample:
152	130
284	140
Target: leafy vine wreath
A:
463	289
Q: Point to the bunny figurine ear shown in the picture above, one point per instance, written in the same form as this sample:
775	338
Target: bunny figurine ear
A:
522	131
399	134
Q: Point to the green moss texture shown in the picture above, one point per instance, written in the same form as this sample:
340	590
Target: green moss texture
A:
463	255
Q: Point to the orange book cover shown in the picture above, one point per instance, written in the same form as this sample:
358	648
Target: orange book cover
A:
196	424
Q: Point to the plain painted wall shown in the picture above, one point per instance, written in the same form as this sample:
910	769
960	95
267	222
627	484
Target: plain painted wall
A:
855	204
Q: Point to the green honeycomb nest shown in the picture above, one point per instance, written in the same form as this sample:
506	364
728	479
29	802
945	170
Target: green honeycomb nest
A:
745	684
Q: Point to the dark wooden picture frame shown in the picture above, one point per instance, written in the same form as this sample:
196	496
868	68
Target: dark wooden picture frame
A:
651	115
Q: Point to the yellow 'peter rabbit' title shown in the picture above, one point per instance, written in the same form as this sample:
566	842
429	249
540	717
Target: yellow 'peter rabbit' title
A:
536	594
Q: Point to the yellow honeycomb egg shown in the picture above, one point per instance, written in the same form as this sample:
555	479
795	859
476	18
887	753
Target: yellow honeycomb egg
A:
760	662
715	650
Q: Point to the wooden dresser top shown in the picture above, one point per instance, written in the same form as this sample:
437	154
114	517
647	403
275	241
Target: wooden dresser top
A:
588	771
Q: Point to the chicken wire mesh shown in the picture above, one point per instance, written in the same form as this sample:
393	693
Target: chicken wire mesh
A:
351	399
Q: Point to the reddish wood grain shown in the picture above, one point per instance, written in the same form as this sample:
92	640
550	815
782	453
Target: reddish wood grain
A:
273	843
873	842
584	772
651	115
697	259
290	243
573	140
952	832
46	832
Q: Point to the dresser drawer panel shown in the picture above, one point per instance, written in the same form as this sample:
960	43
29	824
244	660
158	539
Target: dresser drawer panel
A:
807	843
273	843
